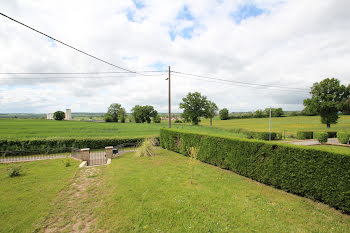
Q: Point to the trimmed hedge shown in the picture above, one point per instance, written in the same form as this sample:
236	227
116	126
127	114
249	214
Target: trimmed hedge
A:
344	137
321	136
263	135
63	143
332	134
308	172
305	135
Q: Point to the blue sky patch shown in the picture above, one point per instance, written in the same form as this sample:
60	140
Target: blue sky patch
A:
127	58
138	4
130	15
185	14
246	11
52	43
159	66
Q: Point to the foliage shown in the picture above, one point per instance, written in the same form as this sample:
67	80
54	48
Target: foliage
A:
122	115
316	174
59	115
263	135
194	107
147	148
332	134
14	170
259	114
321	136
177	121
210	111
108	118
346	107
275	112
143	114
113	111
192	152
328	97
66	161
156	119
302	135
344	137
223	114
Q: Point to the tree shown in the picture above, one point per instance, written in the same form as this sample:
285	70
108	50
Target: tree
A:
113	111
143	114
328	98
275	112
223	114
59	115
108	118
157	119
122	115
194	105
259	113
346	107
210	111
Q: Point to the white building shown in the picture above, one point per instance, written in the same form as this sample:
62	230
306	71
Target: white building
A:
68	115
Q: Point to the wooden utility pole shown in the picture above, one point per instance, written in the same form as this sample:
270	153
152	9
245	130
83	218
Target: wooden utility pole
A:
169	100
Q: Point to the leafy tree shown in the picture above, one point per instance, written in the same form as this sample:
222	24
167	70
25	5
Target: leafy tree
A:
108	118
143	114
223	114
156	119
122	115
275	112
210	111
346	107
327	98
59	115
194	106
113	111
259	114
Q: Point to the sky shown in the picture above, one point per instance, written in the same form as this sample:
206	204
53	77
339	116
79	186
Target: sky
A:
288	43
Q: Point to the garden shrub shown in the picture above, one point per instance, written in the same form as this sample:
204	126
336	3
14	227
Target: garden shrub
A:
147	148
14	170
321	136
302	135
56	145
344	137
332	134
319	175
262	135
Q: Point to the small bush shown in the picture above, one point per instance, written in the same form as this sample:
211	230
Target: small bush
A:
14	170
66	162
262	135
177	121
332	134
108	118
344	137
59	115
302	135
147	148
192	152
321	136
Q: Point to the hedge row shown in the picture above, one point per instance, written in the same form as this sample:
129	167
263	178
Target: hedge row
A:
321	136
344	137
319	175
62	143
263	135
302	135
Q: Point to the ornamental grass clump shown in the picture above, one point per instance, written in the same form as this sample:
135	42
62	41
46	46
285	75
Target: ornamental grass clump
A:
14	170
192	152
147	148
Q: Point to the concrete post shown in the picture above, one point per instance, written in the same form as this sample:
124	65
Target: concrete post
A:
85	154
109	152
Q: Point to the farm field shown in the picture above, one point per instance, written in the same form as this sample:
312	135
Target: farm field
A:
27	128
142	194
279	124
27	199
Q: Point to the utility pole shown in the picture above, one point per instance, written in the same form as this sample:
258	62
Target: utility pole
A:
270	126
169	118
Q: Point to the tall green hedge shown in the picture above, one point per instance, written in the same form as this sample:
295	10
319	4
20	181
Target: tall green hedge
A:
319	175
321	136
344	137
61	143
304	135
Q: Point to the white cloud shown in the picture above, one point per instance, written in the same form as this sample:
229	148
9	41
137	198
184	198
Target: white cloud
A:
293	43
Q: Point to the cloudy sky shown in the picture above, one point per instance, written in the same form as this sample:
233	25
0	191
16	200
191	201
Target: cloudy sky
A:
285	43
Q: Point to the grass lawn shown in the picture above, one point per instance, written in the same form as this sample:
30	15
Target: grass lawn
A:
155	195
279	124
29	128
26	199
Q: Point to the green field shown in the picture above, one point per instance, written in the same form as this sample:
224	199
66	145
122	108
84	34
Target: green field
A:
27	128
290	124
136	194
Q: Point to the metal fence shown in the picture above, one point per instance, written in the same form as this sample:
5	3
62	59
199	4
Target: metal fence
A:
97	158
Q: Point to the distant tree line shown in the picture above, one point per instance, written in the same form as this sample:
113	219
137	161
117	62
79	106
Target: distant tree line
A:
275	112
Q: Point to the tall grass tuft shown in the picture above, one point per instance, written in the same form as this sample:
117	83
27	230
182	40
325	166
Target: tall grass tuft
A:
193	152
147	148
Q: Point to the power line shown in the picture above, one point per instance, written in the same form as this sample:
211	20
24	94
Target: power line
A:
64	73
65	44
238	82
78	77
233	84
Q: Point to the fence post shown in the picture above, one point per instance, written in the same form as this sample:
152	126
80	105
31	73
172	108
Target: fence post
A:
109	152
85	154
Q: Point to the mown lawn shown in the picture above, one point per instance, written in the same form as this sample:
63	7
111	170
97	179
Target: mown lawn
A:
290	124
29	128
26	200
155	195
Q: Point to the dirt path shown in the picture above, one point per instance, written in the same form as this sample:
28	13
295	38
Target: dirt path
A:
73	209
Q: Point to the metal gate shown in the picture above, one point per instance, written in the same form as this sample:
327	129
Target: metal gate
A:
97	158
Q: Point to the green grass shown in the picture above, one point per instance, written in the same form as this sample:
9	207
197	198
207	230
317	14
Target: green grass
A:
27	128
155	195
335	149
279	124
26	199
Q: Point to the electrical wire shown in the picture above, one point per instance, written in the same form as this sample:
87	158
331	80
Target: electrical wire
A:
64	73
79	77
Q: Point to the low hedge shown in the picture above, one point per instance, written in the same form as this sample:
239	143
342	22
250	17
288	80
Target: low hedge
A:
308	172
321	136
263	135
302	135
55	144
344	137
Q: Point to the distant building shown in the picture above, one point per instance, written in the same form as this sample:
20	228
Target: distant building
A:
49	116
68	115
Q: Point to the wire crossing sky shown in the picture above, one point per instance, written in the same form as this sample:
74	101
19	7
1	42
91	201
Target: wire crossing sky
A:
243	55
